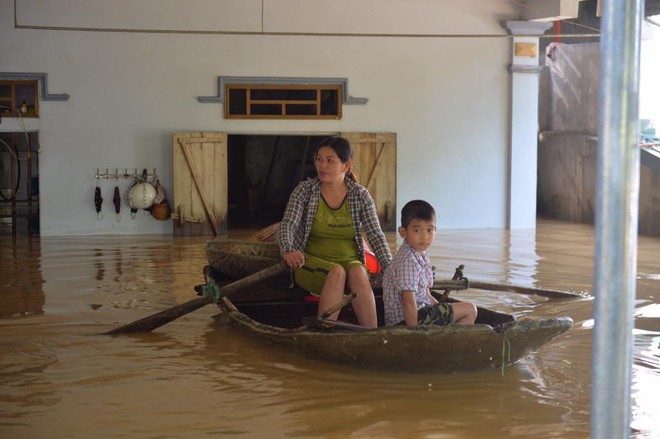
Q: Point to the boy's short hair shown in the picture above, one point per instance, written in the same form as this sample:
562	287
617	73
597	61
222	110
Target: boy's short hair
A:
416	209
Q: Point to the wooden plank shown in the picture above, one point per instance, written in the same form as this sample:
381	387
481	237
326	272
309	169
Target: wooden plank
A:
201	137
204	160
182	186
362	146
374	169
374	160
357	138
385	184
199	185
194	198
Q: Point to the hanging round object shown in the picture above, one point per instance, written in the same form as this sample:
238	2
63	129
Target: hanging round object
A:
141	196
161	211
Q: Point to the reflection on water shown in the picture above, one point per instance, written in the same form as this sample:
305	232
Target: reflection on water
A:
199	377
21	293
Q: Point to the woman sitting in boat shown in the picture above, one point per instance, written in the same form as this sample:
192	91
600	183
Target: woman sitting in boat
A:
407	281
321	233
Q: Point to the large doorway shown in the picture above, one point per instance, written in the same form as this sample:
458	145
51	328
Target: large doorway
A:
262	172
224	181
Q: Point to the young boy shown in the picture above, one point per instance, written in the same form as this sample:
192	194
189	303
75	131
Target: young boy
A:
406	294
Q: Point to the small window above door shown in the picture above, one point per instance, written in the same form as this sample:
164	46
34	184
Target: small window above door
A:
283	101
19	98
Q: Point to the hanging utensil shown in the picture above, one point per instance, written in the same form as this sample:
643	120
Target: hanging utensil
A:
116	199
98	201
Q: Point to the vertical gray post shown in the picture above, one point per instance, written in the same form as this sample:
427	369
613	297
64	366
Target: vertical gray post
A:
617	197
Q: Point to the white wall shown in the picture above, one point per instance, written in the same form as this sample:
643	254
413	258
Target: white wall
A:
446	98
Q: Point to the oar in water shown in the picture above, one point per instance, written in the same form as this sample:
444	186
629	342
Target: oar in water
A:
157	320
464	284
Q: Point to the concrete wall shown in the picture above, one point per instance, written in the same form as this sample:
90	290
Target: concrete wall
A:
134	70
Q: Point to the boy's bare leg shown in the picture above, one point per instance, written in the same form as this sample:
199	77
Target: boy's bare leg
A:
333	291
464	313
364	304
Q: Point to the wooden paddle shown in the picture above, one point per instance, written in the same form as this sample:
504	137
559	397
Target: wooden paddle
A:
157	320
491	286
313	322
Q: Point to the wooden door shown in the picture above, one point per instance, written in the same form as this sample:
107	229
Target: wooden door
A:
200	196
374	162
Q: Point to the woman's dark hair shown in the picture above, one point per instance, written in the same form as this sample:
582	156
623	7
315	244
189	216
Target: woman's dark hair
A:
416	209
342	148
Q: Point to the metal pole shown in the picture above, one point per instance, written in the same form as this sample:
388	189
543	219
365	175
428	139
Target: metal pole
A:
617	197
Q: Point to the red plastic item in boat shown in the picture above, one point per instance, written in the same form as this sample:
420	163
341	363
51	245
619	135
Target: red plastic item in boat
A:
372	262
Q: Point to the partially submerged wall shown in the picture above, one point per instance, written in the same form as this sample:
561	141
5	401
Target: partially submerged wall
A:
568	120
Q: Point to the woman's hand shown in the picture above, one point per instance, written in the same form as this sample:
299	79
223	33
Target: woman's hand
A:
294	259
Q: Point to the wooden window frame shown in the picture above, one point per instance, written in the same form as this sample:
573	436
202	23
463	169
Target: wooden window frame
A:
337	88
10	105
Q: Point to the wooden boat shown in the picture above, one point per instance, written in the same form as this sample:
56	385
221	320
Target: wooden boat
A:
273	312
237	258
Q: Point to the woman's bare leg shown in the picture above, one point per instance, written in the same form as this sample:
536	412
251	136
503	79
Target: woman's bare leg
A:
464	313
364	304
333	291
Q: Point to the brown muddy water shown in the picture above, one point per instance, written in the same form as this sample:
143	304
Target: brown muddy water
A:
197	377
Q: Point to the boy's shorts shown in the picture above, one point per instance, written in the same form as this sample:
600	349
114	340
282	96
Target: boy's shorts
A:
311	276
440	314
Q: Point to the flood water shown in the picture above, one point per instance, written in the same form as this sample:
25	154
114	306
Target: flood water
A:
197	377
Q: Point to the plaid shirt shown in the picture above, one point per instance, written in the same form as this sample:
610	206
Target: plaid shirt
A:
409	271
301	209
